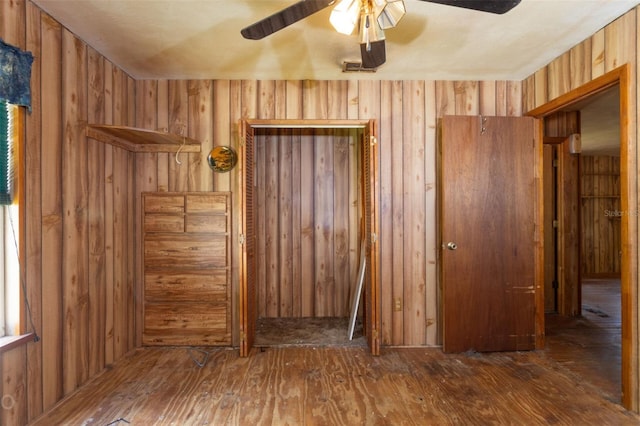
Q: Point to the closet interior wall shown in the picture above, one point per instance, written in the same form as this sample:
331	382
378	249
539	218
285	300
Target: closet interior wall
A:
308	210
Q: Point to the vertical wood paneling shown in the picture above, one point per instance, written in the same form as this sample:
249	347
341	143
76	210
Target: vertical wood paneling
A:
13	19
52	350
178	122
390	101
200	128
431	250
558	78
488	93
541	89
270	225
611	47
67	244
619	47
339	149
307	256
413	213
445	98
285	225
467	96
295	229
13	365
222	134
33	222
597	54
579	64
122	208
293	106
600	214
132	327
75	207
162	123
14	390
315	99
323	223
529	88
343	267
328	268
209	111
514	93
147	167
396	256
108	218
96	216
266	99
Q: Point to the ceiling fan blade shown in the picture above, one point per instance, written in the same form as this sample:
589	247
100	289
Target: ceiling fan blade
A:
284	18
373	54
492	6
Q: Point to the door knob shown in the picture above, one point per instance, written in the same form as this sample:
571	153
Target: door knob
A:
451	245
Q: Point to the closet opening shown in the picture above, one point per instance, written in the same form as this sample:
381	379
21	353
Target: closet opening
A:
307	211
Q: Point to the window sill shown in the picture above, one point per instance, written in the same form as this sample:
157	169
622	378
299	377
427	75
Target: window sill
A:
9	342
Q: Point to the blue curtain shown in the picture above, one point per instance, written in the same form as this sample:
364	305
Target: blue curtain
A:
15	75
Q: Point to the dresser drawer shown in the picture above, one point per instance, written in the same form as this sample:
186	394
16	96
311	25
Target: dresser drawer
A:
160	203
207	203
163	223
202	223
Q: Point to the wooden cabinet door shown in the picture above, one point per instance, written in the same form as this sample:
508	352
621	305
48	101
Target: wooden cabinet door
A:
248	293
488	214
370	185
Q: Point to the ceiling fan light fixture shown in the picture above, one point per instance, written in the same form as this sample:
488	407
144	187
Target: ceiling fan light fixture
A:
370	31
345	15
389	13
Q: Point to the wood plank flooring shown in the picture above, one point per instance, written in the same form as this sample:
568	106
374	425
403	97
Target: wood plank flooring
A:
591	345
337	386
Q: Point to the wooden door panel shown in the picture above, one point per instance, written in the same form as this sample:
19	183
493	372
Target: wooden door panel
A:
371	230
488	212
248	306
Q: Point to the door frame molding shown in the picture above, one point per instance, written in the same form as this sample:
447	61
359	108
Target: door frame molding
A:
628	281
372	307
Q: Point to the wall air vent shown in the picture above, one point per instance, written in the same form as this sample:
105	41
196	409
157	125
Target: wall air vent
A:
355	67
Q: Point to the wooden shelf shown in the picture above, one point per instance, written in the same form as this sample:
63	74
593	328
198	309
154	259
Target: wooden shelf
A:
141	140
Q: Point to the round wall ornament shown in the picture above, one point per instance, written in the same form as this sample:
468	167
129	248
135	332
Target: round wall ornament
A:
222	159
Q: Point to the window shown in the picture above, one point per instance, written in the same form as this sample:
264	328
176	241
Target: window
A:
9	221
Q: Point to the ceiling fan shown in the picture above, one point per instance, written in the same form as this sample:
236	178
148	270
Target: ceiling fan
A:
371	17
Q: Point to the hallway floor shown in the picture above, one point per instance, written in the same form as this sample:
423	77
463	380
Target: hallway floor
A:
590	345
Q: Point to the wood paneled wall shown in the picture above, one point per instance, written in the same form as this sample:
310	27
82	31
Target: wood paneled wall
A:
79	195
407	112
83	198
614	45
83	268
309	206
600	215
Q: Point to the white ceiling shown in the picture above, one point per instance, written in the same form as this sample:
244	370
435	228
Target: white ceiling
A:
200	39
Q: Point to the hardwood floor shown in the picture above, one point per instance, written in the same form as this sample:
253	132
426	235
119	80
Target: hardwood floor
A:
301	378
337	386
590	345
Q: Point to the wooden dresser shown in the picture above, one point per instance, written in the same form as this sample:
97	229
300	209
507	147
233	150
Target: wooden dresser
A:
187	291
